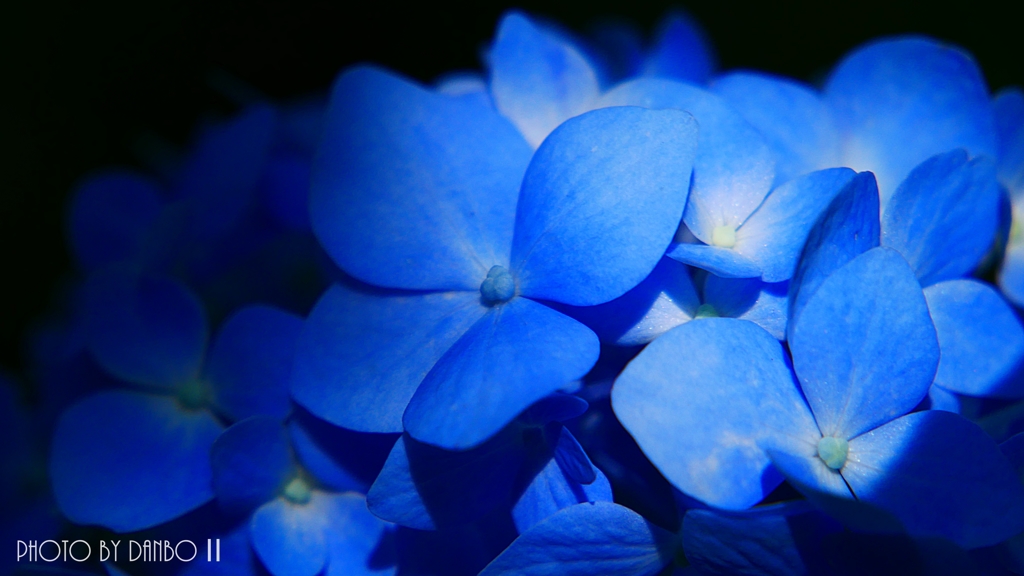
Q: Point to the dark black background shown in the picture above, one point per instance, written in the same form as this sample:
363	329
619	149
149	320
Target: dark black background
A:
83	81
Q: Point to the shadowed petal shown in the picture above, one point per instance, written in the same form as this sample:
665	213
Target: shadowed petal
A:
518	353
719	261
251	462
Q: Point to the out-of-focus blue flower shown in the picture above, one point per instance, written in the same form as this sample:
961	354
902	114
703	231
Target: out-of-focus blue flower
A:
130	459
297	527
1008	107
722	422
532	469
440	197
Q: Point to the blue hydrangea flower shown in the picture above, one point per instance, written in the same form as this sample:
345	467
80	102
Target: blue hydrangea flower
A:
440	198
297	527
132	458
722	422
532	469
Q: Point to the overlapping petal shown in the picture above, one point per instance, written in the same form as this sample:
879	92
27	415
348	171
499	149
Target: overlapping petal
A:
518	353
600	202
706	423
251	462
290	539
866	327
414	189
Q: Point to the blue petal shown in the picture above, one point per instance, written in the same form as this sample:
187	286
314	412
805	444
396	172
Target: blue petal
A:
749	299
1008	108
1011	275
793	119
413	189
980	338
601	201
250	362
775	233
943	217
586	539
866	327
680	51
720	261
538	80
362	353
553	489
518	353
557	407
424	487
290	539
664	300
941	475
251	462
339	459
939	398
220	177
110	214
1013	449
900	101
128	461
809	474
359	544
688	399
734	167
848	228
148	330
779	539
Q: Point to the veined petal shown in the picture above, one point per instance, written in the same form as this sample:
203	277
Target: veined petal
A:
794	120
848	228
775	233
899	101
943	217
600	202
866	327
110	214
129	460
941	475
587	539
719	261
980	338
414	189
148	330
518	353
363	352
734	167
538	80
250	363
705	400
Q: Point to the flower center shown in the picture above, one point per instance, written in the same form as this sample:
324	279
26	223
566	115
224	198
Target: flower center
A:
298	491
706	311
833	451
723	236
498	287
194	395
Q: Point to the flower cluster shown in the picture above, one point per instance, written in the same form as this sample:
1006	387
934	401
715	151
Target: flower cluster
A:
596	309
